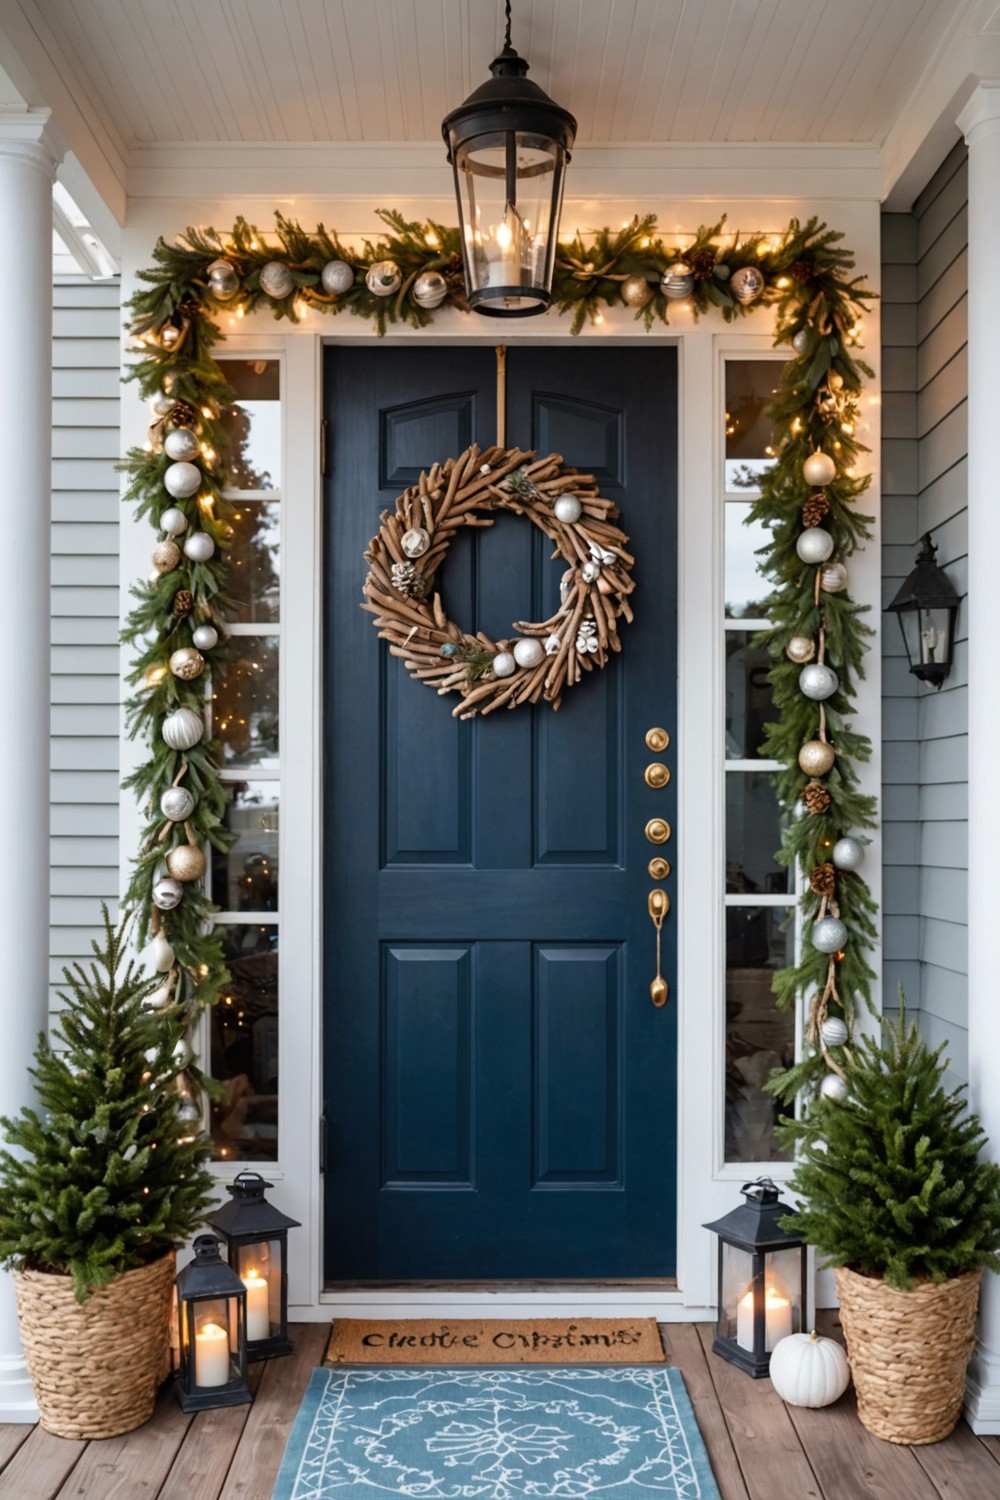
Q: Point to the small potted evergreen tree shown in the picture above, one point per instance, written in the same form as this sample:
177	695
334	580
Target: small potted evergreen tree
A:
897	1198
102	1185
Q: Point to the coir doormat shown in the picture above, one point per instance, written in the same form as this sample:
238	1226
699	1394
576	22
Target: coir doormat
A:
528	1341
513	1434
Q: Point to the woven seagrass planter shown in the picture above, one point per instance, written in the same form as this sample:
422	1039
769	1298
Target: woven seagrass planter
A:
908	1352
95	1365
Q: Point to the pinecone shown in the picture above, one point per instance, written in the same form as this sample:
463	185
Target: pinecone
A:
183	602
816	797
815	509
702	263
183	414
408	580
823	879
801	271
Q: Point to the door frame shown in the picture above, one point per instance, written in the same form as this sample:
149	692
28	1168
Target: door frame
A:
706	1187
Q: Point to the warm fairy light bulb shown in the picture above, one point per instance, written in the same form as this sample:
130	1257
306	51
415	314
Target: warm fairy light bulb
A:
155	675
203	971
241	312
208	453
644	242
430	238
783	282
207	411
599	318
796	424
847	427
205	503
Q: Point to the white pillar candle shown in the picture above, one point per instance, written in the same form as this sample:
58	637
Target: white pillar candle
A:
777	1319
211	1355
258	1316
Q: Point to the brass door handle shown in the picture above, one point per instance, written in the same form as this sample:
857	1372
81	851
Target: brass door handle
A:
658	903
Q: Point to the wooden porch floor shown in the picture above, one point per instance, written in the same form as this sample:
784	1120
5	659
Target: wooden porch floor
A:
760	1449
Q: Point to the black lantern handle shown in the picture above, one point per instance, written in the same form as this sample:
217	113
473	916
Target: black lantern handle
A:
762	1189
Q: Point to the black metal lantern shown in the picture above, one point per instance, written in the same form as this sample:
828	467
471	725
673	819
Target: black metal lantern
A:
926	607
211	1321
508	145
762	1279
255	1234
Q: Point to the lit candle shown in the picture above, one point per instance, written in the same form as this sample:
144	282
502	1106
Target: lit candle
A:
211	1355
258	1317
777	1319
508	238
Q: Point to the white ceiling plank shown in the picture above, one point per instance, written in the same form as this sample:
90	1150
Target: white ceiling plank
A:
903	64
204	34
803	66
738	114
270	51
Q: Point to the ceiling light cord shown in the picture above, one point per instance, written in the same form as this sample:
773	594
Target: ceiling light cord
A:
506	40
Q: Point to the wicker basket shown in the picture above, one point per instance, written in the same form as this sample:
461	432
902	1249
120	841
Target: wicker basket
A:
95	1365
908	1352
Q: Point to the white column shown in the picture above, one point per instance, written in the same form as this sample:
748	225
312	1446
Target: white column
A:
28	159
980	123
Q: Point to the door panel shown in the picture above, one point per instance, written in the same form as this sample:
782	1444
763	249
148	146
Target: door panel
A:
500	1090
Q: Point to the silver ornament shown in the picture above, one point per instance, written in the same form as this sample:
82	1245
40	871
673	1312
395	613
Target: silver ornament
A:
205	637
337	277
834	1088
415	542
161	955
528	653
568	509
818	681
677	281
747	284
223	280
181	445
848	853
165	557
383	278
504	664
819	469
182	480
814	545
801	648
276	280
187	663
430	289
173	521
834	1032
828	935
833	579
167	893
160	404
188	1113
721	271
800	341
183	728
636	291
816	757
176	803
199	547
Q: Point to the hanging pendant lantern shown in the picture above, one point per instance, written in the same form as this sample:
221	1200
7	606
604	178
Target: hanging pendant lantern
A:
508	145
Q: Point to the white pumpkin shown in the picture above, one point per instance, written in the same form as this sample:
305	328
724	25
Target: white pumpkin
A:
807	1370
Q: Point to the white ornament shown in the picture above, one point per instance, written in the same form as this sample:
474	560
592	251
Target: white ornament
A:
430	289
337	277
182	480
528	653
504	664
814	545
161	955
183	728
173	521
834	1032
167	893
189	1113
415	542
160	404
819	469
162	996
828	935
848	853
568	509
199	547
833	579
383	278
176	803
800	341
747	284
806	1370
818	681
183	1053
677	281
276	280
205	637
552	645
833	1087
590	572
180	445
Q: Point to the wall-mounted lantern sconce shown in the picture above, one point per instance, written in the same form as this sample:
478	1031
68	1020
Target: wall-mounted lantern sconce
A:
926	607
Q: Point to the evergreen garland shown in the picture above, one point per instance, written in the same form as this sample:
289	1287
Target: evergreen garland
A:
805	272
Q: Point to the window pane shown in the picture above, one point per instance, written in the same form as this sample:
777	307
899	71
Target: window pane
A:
254	423
245	878
753	834
746	588
749	705
244	1054
759	1036
750	386
245	703
254	559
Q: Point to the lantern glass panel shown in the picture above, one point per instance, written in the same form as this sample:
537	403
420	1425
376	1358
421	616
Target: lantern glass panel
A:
509	238
935	637
260	1267
737	1275
210	1336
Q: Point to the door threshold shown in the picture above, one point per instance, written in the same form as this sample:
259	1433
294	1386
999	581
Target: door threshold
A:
664	1284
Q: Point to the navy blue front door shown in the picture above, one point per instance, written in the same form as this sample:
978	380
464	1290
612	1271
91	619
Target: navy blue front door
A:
500	1090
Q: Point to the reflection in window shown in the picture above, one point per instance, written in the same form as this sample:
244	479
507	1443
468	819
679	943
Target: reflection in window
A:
245	877
750	386
746	588
254	577
254	423
245	702
753	835
749	705
244	1049
759	1036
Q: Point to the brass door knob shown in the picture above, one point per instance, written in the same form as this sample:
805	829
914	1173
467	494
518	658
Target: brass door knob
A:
656	774
657	740
658	867
657	831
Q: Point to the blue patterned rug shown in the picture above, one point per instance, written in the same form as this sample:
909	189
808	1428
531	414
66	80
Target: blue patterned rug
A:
499	1433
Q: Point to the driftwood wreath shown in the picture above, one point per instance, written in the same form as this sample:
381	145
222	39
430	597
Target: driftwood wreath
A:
542	660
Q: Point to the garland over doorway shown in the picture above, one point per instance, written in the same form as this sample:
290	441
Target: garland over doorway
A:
807	500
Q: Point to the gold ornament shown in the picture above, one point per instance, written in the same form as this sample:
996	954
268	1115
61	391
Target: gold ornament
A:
636	291
800	649
166	556
187	663
816	757
186	862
